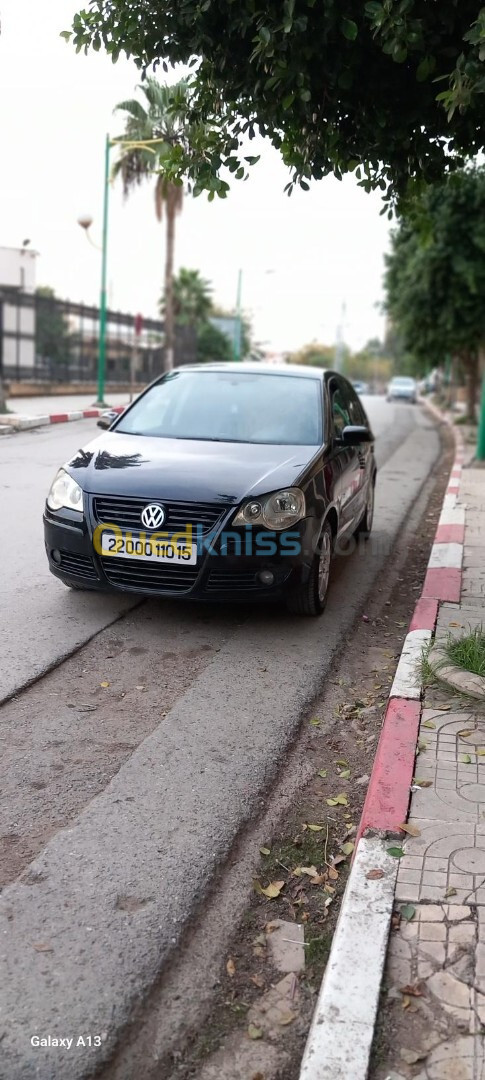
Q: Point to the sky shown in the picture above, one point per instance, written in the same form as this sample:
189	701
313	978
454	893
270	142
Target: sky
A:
309	263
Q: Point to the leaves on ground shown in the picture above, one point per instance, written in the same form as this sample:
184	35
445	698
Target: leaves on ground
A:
255	1032
287	1018
396	852
265	850
422	744
337	800
465	733
104	685
347	848
40	946
443	708
465	759
314	828
373	875
342	761
481	751
423	783
315	721
411	830
231	968
258	981
408	912
413	990
450	892
322	773
429	724
272	891
345	774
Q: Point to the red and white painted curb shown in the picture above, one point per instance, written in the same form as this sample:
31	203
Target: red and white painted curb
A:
24	423
340	1039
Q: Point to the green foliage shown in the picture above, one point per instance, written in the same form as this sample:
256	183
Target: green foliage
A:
468	651
52	334
314	355
389	89
435	276
212	344
192	298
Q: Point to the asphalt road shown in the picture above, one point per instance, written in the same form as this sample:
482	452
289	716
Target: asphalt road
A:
86	931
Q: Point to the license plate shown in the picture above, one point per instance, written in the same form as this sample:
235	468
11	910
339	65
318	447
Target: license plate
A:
147	549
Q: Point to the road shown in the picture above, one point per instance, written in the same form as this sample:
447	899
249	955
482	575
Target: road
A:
198	709
42	406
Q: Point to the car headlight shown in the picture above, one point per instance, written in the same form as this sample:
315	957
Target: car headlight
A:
65	492
277	511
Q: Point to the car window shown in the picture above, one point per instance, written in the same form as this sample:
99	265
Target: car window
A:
340	406
230	406
357	414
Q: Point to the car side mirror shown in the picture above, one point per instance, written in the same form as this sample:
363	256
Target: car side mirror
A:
106	419
355	434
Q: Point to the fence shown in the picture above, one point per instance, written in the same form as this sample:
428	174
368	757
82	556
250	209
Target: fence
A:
44	339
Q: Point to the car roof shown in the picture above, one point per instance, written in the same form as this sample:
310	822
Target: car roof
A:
255	367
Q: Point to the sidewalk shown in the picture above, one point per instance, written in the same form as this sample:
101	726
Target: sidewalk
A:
431	1019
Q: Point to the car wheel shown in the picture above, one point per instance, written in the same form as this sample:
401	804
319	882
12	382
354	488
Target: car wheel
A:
310	598
364	527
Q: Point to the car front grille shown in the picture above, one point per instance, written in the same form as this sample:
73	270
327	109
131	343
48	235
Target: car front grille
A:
126	513
141	575
77	565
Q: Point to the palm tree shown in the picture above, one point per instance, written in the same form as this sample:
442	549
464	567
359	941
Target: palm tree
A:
192	298
152	128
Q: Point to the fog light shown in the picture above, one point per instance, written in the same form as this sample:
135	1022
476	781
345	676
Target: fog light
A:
266	577
56	556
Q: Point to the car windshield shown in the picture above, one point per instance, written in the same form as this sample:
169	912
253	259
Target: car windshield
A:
230	406
404	381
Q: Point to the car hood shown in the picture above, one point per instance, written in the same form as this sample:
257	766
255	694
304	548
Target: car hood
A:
185	470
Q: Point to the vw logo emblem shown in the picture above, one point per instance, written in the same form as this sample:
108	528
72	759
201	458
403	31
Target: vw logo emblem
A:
153	516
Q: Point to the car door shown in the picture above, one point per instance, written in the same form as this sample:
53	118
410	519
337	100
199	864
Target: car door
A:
347	472
364	451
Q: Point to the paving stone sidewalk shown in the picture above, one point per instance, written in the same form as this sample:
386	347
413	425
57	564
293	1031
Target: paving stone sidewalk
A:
438	956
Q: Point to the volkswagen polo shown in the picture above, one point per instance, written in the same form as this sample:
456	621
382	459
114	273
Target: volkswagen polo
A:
220	481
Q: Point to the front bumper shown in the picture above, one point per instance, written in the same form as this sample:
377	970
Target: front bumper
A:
220	574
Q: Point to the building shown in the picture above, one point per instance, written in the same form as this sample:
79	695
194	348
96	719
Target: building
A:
17	319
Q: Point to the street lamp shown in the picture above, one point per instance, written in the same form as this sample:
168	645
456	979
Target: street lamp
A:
85	223
238	322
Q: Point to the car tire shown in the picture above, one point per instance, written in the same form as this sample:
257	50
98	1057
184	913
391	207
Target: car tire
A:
364	527
311	597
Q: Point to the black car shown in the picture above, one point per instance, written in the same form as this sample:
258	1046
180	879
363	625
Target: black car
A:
221	481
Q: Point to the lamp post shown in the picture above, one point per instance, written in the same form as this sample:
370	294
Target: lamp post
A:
85	224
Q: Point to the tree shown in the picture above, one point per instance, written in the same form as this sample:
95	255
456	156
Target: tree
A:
314	355
220	317
156	131
192	298
52	335
212	344
391	87
435	276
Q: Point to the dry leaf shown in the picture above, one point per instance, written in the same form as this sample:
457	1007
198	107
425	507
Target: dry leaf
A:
341	761
314	721
39	946
322	773
373	875
272	891
481	751
333	873
406	1001
465	759
104	685
345	774
231	967
315	828
254	1032
429	724
422	744
423	783
258	981
265	850
443	708
287	1018
411	830
466	731
347	848
415	990
337	800
450	892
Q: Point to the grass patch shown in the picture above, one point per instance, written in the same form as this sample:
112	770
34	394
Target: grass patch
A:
317	948
426	674
468	652
465	421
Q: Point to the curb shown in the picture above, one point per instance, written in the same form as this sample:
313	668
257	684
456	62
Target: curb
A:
339	1043
24	423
